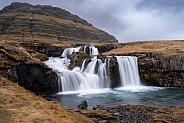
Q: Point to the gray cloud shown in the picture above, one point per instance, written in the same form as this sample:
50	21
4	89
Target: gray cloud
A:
127	20
162	5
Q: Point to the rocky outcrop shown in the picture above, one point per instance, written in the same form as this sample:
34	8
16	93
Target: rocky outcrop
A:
23	67
37	78
26	22
159	70
43	48
108	47
114	73
76	59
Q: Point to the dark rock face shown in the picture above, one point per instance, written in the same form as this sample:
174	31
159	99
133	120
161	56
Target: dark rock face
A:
76	59
158	70
114	73
44	48
54	51
22	64
37	79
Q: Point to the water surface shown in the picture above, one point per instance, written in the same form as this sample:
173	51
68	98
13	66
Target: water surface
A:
152	96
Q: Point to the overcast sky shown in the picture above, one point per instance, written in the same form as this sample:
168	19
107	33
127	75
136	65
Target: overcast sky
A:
127	20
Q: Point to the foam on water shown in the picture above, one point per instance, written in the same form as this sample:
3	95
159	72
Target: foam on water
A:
138	88
86	92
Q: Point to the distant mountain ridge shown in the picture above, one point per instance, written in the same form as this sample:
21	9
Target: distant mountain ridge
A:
23	21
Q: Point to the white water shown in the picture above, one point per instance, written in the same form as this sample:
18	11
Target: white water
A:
93	51
128	70
68	51
95	74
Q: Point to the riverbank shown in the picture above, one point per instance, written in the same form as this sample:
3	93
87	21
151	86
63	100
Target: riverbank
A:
136	114
18	105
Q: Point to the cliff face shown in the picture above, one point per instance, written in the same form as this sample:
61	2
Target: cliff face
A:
26	22
22	63
161	63
158	70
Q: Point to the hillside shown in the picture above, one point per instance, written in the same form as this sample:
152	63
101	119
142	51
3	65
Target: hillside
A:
26	22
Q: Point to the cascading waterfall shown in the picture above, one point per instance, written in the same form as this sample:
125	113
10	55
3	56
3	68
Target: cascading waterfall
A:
96	74
93	51
128	69
68	51
103	74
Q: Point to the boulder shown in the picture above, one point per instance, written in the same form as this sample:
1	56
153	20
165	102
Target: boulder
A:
83	105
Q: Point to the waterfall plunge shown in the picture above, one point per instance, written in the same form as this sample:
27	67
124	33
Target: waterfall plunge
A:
128	69
95	75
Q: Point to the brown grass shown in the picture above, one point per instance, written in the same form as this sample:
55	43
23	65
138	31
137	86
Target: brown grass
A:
165	47
173	114
48	21
18	105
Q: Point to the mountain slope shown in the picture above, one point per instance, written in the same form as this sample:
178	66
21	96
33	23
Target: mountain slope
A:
26	22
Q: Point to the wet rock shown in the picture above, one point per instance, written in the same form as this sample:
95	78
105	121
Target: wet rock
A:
83	105
76	59
114	73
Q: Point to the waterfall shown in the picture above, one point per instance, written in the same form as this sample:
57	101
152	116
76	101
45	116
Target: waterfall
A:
103	74
83	65
68	51
95	74
93	51
128	70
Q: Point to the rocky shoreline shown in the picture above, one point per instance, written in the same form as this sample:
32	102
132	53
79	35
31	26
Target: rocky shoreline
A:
135	114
